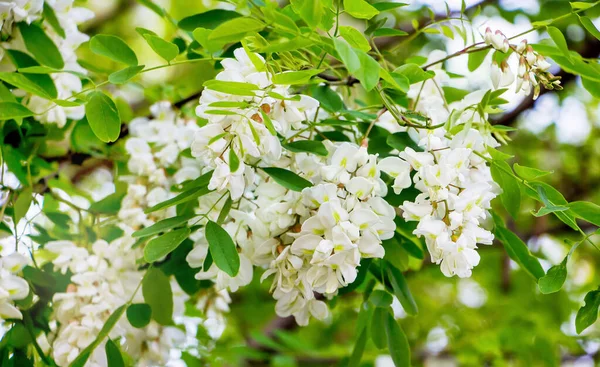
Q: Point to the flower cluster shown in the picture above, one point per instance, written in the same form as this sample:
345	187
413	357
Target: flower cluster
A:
154	145
347	220
456	189
18	11
242	126
104	279
12	287
532	71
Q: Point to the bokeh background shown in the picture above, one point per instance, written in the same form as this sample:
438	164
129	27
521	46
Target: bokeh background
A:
497	317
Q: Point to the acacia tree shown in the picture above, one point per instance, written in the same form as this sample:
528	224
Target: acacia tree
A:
317	165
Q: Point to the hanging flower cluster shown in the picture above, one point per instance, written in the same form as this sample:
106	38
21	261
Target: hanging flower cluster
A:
104	279
346	221
532	71
456	189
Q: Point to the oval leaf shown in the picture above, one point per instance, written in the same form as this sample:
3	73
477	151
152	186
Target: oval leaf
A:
114	48
103	117
139	314
222	249
161	246
287	179
41	46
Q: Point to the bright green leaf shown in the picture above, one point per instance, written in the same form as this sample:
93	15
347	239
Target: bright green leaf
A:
40	45
122	76
588	313
114	48
165	49
222	248
103	116
360	9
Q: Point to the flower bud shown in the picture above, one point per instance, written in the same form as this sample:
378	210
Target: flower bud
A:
488	36
522	67
541	63
530	56
522	46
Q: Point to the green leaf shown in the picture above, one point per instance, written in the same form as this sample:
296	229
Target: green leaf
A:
234	161
50	17
122	76
580	5
355	38
388	5
161	246
554	278
591	86
185	196
156	288
378	327
40	45
397	342
476	59
414	73
309	10
22	204
454	94
163	225
44	82
401	290
359	348
287	179
511	194
590	27
22	82
307	146
552	198
519	252
209	20
328	98
113	355
139	314
114	48
588	313
165	49
294	77
587	211
103	116
13	110
106	328
235	29
389	32
528	173
368	73
225	210
559	40
222	248
235	88
360	9
347	55
381	299
111	204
